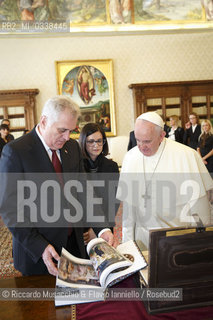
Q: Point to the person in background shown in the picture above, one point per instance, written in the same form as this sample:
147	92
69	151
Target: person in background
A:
50	155
205	145
193	131
175	132
10	137
4	130
95	148
132	141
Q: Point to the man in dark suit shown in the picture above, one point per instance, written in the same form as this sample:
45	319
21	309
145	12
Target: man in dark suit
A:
193	131
37	243
132	141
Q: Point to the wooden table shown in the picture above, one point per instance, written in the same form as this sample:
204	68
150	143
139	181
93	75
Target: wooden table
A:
27	310
107	310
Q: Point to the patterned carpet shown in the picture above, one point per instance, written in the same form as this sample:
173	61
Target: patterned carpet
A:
7	269
118	225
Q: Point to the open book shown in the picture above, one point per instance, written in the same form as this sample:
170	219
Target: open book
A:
106	266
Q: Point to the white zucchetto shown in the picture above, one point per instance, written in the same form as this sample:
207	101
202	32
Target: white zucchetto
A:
153	117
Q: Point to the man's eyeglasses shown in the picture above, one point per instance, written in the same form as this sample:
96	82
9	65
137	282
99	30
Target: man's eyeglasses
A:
100	142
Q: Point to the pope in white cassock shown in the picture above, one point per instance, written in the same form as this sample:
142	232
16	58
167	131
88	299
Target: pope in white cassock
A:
163	183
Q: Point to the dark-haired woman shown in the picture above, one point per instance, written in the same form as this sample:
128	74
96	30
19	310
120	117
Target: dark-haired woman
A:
4	131
95	148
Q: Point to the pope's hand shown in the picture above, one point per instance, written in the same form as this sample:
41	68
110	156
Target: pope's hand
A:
48	255
109	237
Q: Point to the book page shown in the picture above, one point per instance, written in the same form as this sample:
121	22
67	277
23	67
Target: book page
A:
133	253
106	259
75	272
144	273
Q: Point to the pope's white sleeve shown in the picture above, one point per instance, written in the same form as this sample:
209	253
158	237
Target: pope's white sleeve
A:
128	222
201	207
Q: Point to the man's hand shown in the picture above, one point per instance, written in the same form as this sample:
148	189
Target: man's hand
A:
109	237
48	255
89	235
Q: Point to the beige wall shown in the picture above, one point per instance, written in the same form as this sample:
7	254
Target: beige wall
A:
29	63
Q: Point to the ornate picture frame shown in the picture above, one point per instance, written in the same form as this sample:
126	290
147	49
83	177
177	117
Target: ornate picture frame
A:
90	84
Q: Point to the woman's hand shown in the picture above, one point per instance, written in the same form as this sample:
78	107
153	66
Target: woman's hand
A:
188	125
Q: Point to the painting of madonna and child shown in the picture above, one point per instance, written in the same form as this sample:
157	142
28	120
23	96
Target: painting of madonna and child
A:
90	85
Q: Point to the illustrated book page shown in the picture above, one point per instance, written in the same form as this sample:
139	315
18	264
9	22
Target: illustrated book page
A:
85	280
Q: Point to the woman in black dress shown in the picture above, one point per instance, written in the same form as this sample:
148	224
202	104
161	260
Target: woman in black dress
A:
95	148
205	145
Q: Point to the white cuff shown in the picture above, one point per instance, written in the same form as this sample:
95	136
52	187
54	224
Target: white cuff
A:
102	231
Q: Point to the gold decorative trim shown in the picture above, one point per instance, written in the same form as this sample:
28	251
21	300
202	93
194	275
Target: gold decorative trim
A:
179	232
209	229
73	312
19	91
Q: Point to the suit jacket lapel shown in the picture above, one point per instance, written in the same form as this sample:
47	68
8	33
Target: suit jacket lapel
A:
42	156
65	159
197	129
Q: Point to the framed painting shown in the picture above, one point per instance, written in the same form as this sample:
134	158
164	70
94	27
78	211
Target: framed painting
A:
90	85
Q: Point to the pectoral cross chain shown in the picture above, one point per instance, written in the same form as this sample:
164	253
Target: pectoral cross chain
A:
146	197
147	184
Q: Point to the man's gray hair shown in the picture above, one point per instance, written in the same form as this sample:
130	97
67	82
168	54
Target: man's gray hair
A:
54	106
